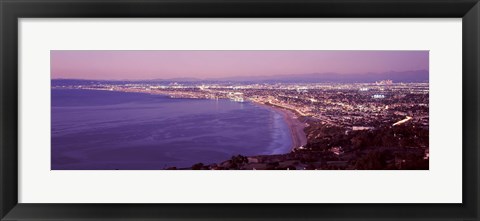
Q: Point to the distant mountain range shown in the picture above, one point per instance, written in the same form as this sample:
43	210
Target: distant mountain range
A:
405	76
397	77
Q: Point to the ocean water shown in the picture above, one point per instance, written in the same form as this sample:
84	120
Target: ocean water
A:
107	130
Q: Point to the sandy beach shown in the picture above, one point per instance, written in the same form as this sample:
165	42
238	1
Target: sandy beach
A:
296	127
299	137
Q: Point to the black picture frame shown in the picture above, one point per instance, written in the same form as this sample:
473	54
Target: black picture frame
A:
12	10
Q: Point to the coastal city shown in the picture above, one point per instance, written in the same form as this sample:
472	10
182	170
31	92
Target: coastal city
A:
379	125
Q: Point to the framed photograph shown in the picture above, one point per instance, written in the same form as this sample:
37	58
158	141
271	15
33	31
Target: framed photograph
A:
227	110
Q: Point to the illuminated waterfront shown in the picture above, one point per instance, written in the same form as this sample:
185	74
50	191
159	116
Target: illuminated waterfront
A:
343	121
117	130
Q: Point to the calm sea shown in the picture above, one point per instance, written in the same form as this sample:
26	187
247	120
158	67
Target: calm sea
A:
108	130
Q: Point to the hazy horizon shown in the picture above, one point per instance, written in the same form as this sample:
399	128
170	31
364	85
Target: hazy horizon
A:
220	78
204	65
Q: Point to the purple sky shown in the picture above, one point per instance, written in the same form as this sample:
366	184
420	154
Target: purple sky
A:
119	65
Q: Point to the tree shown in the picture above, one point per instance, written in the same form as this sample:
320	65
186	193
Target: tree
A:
197	166
374	160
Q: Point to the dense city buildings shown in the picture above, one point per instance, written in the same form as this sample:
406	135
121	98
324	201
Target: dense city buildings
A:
380	125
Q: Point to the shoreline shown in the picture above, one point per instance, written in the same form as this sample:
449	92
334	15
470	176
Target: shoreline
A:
296	127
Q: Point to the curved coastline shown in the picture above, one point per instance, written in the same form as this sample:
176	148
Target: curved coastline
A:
299	138
295	126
